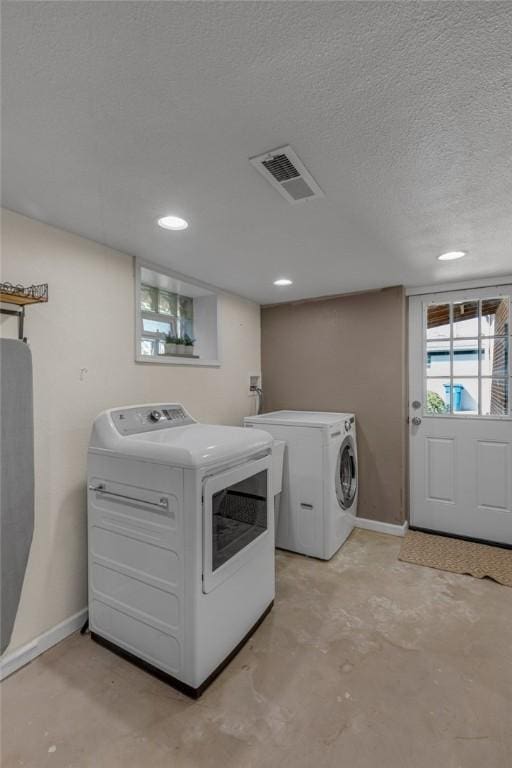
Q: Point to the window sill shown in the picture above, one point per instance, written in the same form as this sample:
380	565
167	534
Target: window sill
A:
180	357
177	360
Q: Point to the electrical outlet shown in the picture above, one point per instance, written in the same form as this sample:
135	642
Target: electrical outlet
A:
254	383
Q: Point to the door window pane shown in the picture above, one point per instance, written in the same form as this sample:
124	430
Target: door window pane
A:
465	318
239	515
465	357
438	358
495	317
494	397
465	396
495	359
438	397
438	321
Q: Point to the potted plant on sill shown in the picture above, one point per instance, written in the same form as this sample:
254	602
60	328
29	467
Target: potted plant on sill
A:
189	345
180	346
170	344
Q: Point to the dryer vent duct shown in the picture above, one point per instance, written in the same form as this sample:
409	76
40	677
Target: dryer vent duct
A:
285	171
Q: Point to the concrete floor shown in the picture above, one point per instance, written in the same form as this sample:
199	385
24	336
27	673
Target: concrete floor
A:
364	662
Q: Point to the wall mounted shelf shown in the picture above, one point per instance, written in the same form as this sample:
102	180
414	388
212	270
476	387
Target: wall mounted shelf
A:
21	297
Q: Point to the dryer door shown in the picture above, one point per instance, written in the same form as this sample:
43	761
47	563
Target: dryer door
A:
237	509
346	474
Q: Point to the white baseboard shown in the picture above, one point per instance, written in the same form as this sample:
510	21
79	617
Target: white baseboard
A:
10	662
376	525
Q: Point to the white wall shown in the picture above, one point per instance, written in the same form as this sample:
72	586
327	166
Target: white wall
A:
88	323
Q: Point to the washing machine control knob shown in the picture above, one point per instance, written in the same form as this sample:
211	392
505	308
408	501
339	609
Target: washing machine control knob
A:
347	426
155	415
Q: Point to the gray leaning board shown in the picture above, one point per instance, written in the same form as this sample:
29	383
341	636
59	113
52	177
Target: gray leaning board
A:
16	477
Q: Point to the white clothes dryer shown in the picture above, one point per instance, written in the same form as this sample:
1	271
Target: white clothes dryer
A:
181	539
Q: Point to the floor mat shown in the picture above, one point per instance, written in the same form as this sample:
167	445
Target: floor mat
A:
457	556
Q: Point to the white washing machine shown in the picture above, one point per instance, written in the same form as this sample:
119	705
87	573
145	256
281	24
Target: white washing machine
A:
181	539
320	482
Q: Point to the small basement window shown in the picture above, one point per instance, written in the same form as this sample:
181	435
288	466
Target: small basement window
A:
176	320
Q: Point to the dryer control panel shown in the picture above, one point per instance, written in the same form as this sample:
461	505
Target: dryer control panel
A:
148	418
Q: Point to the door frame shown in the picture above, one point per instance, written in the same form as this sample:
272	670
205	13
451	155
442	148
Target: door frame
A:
461	285
417	298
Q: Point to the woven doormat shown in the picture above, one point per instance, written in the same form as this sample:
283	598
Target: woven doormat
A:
457	556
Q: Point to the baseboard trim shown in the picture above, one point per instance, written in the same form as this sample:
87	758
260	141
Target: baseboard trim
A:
11	662
393	529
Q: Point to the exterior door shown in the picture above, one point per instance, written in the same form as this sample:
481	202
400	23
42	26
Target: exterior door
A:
460	413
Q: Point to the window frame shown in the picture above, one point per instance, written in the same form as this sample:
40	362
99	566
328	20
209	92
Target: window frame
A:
211	362
466	296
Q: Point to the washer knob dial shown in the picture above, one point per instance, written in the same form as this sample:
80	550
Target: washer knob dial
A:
155	415
347	426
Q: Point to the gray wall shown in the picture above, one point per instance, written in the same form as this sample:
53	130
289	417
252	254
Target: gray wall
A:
347	353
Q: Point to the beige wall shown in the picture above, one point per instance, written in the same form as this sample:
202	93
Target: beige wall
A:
347	354
88	323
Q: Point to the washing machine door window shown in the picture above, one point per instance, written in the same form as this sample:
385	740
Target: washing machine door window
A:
346	474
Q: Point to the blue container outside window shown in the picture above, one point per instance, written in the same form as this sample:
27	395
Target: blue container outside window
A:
457	396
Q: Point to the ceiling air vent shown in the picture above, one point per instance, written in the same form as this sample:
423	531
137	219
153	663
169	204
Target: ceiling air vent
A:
287	173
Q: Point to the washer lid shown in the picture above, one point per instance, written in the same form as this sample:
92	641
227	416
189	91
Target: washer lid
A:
298	418
191	446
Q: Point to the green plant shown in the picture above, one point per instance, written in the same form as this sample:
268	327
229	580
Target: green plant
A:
169	339
189	342
435	403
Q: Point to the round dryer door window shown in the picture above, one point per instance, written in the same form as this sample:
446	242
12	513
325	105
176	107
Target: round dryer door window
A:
346	474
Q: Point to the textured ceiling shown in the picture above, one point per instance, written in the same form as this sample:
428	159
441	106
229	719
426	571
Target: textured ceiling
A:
116	113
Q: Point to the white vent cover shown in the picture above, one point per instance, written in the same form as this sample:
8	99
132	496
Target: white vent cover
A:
287	173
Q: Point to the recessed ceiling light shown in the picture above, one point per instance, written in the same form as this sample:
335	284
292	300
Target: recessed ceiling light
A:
283	281
451	255
172	222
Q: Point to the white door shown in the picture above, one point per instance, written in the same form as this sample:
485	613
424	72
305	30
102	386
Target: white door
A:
460	424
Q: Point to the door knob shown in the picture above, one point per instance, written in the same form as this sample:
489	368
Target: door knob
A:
416	421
